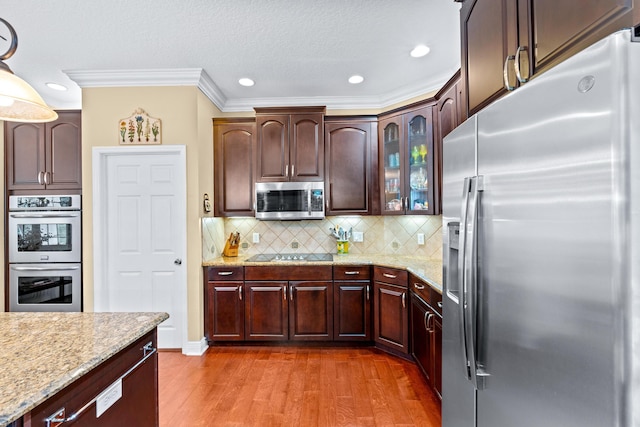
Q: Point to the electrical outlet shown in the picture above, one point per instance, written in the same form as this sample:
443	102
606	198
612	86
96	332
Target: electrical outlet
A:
421	238
358	236
294	245
256	237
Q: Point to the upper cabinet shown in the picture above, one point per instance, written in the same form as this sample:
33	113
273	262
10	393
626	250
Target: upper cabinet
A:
290	144
45	156
234	145
351	153
507	42
406	161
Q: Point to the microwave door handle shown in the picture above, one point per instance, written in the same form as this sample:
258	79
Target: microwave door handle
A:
45	215
309	201
66	268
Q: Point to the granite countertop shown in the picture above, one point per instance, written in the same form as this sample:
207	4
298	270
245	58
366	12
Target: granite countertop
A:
429	270
41	353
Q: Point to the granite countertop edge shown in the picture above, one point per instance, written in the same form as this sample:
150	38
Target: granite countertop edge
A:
428	270
27	394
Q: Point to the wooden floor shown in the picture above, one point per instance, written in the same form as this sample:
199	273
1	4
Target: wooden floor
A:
289	386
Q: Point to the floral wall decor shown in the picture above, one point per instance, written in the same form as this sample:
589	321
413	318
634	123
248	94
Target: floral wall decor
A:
140	128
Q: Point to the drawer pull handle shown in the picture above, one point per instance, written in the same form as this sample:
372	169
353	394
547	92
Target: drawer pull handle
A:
58	418
390	276
225	273
351	273
418	286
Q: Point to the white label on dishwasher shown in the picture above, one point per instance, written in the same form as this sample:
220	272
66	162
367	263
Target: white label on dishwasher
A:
108	397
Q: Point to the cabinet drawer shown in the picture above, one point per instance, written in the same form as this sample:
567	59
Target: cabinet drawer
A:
351	272
421	288
289	272
390	275
215	274
436	301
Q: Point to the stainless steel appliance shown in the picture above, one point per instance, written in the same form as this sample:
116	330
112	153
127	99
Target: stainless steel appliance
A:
45	253
291	257
289	200
44	229
541	220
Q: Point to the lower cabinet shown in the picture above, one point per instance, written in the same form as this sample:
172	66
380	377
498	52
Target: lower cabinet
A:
426	334
391	309
352	299
224	304
311	311
266	311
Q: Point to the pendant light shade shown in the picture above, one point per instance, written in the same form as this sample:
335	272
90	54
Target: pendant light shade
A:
19	102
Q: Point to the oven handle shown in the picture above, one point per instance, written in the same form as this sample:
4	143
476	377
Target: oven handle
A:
45	215
73	267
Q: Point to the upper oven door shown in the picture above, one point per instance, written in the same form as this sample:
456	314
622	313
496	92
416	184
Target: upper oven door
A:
44	237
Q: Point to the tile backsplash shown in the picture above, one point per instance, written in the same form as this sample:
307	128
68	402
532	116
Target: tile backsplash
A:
397	235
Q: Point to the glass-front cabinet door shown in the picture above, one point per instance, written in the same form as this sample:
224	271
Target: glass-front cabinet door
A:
407	171
393	182
419	132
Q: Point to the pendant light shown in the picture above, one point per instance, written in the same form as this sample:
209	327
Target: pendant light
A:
19	102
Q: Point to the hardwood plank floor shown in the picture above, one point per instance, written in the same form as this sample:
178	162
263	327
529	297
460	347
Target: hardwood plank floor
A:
293	386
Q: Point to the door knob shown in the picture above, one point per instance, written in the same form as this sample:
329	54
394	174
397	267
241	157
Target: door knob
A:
178	261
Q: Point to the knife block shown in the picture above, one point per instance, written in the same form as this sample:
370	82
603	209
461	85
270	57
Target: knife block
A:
230	250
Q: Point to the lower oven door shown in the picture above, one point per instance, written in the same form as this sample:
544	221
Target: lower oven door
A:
45	287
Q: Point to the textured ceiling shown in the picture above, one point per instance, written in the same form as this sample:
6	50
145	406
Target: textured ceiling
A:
298	52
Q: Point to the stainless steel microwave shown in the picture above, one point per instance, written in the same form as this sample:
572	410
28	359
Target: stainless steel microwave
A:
289	200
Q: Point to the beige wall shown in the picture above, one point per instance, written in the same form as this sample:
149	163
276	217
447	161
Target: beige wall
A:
186	120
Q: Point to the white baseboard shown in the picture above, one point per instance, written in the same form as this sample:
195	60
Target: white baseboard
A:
195	348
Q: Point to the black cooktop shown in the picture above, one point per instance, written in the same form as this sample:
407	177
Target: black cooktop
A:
290	257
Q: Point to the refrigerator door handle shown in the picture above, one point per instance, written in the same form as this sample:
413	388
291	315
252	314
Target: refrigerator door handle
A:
470	292
464	345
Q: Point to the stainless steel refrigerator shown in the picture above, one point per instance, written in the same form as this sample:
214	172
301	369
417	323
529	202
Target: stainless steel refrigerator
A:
541	220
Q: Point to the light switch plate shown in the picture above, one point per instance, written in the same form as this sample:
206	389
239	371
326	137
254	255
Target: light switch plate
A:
358	236
421	238
256	237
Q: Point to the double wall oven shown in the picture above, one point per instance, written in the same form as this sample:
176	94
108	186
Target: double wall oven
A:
44	248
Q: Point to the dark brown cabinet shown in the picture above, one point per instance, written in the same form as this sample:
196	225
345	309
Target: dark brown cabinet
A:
234	145
351	153
426	331
352	299
290	144
266	313
311	311
447	116
288	303
505	42
406	161
45	156
391	309
224	305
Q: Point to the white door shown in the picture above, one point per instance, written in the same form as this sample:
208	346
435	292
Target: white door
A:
141	210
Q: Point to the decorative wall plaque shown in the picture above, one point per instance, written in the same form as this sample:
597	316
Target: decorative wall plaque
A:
140	128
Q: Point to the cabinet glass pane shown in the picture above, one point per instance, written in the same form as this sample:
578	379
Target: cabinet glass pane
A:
418	160
392	190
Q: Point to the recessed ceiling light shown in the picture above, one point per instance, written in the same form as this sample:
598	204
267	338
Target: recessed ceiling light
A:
356	79
56	86
420	50
246	82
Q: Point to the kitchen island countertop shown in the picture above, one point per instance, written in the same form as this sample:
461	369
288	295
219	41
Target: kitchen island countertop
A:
42	353
429	270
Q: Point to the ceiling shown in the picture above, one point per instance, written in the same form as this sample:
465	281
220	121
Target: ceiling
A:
299	52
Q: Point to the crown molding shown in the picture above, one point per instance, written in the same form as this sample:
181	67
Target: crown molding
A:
198	77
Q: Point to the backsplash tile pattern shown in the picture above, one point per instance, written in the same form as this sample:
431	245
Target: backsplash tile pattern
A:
396	235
